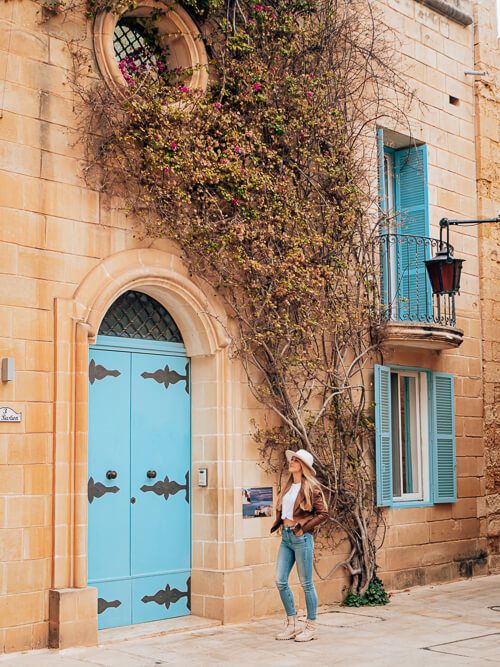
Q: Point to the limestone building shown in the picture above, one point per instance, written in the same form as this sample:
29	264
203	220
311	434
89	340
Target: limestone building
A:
98	325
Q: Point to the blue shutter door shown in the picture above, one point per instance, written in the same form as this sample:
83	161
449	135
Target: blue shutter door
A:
383	435
160	556
109	495
411	189
444	455
139	480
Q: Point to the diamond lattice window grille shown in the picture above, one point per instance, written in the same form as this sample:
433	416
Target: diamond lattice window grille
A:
134	51
137	315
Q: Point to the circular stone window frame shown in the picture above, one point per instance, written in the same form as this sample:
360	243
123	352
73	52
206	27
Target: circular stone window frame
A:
175	17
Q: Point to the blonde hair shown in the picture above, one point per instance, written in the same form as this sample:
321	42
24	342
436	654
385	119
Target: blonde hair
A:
309	484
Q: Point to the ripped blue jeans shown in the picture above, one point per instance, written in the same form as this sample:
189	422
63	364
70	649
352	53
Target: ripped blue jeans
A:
298	550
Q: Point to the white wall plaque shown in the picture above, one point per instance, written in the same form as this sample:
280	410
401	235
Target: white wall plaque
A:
9	415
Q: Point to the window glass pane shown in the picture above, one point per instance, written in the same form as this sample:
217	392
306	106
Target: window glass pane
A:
389	182
396	439
413	448
409	434
406	441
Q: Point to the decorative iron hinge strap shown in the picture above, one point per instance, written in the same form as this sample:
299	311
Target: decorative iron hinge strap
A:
98	372
167	487
167	596
98	489
166	377
103	604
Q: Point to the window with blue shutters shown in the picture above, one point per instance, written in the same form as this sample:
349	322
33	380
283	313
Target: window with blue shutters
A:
403	193
414	436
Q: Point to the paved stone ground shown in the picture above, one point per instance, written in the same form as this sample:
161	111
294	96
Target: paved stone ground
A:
450	624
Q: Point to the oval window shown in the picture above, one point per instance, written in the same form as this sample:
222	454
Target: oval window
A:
154	38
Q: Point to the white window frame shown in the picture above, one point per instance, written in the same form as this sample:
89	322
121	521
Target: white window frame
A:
389	187
391	229
422	428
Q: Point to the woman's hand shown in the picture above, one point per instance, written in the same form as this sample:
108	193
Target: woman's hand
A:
297	529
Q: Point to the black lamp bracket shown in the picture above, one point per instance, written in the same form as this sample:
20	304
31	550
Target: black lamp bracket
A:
446	223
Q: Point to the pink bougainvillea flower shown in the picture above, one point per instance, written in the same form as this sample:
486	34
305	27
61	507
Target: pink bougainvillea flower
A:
237	149
218	106
309	94
236	202
258	8
166	170
184	89
173	145
256	86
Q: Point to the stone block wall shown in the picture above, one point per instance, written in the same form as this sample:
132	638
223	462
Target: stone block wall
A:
487	58
439	543
55	231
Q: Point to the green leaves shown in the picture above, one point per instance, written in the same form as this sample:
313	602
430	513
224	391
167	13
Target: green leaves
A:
263	181
375	595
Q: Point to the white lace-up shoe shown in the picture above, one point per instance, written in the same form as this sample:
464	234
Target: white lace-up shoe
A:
309	632
291	629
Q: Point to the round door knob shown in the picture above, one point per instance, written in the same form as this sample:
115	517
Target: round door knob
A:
151	474
132	500
111	474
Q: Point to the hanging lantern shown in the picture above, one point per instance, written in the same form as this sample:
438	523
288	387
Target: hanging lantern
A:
444	273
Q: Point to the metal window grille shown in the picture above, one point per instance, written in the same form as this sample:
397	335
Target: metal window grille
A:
137	315
131	45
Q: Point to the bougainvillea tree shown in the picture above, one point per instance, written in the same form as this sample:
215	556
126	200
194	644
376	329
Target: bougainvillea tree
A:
266	181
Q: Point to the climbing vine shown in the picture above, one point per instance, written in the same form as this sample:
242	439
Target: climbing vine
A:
265	180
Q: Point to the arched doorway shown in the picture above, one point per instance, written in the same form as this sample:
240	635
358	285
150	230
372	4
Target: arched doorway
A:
139	517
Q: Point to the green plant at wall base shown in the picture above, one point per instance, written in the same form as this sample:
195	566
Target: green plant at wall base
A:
374	595
264	180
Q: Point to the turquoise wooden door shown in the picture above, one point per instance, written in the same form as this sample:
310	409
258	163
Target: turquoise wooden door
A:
139	480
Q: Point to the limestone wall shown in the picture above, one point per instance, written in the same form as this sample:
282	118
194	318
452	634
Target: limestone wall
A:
54	231
487	58
424	545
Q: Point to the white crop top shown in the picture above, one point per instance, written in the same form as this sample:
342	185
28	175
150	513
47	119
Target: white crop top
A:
289	501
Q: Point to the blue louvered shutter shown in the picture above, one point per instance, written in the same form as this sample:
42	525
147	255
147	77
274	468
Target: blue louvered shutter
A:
411	195
383	435
444	456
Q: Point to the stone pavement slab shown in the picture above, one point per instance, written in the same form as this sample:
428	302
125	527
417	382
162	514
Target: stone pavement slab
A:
434	626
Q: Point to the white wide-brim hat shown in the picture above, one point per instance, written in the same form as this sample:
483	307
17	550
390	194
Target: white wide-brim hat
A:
304	456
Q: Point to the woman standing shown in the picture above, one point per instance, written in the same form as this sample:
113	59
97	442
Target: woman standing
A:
301	507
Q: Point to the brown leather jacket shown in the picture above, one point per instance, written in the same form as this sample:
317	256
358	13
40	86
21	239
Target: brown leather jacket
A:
307	520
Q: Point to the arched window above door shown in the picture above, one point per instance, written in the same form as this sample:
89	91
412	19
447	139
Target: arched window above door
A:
138	315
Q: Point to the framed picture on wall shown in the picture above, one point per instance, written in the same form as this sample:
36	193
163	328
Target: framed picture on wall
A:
257	502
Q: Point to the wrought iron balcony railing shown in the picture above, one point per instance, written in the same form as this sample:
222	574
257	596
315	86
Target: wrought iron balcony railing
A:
405	288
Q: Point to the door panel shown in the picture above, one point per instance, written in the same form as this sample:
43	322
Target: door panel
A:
158	597
114	603
160	442
139	525
109	452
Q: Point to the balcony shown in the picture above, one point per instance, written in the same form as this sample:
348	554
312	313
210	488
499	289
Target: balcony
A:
415	317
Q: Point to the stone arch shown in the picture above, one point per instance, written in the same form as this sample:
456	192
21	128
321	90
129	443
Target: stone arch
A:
201	320
163	276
